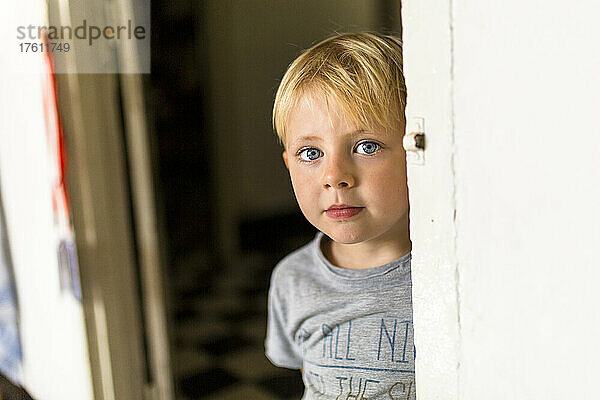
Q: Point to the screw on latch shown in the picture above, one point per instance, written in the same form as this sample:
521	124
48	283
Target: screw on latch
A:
414	141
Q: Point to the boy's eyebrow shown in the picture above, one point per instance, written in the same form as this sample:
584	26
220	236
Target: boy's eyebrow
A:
312	137
305	138
302	139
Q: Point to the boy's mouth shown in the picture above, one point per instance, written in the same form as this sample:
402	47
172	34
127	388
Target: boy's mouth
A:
342	211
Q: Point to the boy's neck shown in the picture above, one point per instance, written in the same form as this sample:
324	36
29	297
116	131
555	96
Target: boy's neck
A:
367	254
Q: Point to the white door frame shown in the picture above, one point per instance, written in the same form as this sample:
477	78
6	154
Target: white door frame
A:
428	68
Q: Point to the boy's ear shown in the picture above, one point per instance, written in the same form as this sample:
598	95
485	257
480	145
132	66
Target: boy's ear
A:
285	159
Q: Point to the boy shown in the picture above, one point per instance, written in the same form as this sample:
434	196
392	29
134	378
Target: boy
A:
340	308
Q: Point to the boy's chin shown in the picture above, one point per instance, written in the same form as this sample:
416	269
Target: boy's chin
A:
345	236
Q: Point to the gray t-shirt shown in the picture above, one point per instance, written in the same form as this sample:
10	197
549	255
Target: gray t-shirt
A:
351	330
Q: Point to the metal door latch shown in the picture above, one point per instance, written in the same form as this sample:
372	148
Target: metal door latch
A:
414	142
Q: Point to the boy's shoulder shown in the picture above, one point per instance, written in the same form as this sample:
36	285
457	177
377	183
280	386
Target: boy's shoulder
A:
299	262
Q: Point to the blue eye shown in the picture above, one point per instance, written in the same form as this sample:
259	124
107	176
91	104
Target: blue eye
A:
310	154
367	148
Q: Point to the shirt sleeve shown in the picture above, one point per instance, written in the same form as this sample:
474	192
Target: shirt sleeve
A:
280	347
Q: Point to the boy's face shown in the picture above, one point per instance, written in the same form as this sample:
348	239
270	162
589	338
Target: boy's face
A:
350	183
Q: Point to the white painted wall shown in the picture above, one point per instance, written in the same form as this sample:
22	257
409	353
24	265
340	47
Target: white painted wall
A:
528	190
525	167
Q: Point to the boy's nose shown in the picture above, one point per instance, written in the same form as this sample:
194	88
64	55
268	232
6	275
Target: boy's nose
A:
337	174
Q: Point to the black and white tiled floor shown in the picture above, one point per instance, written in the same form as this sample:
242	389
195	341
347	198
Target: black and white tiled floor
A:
220	329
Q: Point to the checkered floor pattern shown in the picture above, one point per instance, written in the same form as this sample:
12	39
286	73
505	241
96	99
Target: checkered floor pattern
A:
220	318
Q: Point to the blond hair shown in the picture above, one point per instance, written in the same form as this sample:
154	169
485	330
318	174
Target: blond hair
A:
362	71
